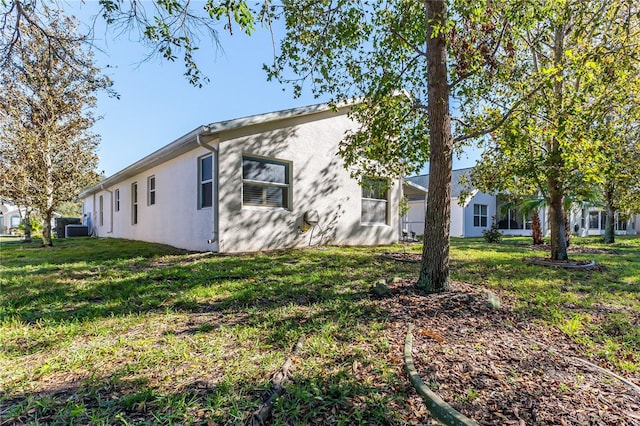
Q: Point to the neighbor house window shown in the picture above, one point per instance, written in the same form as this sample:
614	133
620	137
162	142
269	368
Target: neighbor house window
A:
134	203
101	209
116	196
621	222
265	182
593	220
374	202
206	182
151	190
479	215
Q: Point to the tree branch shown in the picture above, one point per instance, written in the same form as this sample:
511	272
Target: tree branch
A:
500	122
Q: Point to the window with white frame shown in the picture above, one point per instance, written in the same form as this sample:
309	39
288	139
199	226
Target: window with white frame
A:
374	209
134	203
151	190
480	215
205	182
266	182
116	203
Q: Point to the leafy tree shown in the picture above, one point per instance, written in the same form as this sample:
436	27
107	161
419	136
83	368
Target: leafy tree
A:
49	154
406	61
582	58
168	27
618	140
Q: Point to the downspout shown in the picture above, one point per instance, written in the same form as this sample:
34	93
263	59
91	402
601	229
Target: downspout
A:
205	145
110	207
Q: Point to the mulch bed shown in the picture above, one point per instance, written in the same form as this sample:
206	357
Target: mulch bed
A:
403	257
573	249
497	368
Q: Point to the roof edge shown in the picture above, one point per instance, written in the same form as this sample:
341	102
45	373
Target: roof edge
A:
183	143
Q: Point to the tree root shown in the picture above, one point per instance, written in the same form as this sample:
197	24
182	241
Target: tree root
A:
262	415
439	409
609	373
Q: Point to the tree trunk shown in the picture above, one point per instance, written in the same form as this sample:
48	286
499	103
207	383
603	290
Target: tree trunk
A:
434	272
556	220
46	229
609	226
556	162
536	229
26	221
567	228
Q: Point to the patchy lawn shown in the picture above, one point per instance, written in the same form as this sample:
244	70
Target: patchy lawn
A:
110	331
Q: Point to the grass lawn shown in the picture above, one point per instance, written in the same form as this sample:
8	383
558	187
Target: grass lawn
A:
106	331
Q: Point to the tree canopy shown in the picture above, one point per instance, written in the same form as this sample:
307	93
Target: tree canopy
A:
582	60
47	93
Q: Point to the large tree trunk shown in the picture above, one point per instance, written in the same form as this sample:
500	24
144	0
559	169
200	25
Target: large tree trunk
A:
46	229
434	273
556	221
556	162
27	226
609	226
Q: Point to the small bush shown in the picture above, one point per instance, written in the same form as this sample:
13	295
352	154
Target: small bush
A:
492	235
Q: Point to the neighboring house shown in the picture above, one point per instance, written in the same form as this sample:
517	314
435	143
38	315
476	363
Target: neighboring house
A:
589	220
257	183
10	217
469	217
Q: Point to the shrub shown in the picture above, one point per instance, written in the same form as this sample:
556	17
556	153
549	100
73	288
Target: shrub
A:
492	235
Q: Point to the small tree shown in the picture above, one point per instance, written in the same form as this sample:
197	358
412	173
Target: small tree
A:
47	92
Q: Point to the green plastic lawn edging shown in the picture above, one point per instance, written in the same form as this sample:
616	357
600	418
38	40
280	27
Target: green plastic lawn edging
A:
439	409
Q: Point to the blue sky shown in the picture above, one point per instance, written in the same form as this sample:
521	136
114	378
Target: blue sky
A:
157	104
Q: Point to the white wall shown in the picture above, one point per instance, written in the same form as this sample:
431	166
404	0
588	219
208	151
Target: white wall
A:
175	218
479	198
457	219
414	219
320	183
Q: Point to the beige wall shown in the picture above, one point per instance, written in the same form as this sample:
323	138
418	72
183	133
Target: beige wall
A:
319	182
174	219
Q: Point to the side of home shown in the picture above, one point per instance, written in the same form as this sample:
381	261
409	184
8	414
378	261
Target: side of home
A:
247	185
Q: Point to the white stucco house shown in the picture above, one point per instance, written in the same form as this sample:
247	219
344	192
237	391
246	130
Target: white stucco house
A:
262	182
10	217
475	213
469	216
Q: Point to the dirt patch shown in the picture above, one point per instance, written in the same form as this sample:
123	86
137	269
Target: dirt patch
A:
500	369
567	264
574	249
403	257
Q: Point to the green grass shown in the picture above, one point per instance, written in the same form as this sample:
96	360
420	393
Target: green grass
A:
123	332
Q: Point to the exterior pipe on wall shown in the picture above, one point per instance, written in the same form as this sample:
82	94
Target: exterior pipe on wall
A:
110	208
206	130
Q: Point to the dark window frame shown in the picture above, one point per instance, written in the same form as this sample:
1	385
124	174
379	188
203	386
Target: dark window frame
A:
151	190
134	203
269	192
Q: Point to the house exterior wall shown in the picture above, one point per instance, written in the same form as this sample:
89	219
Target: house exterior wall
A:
174	219
319	182
414	219
483	199
457	219
580	218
